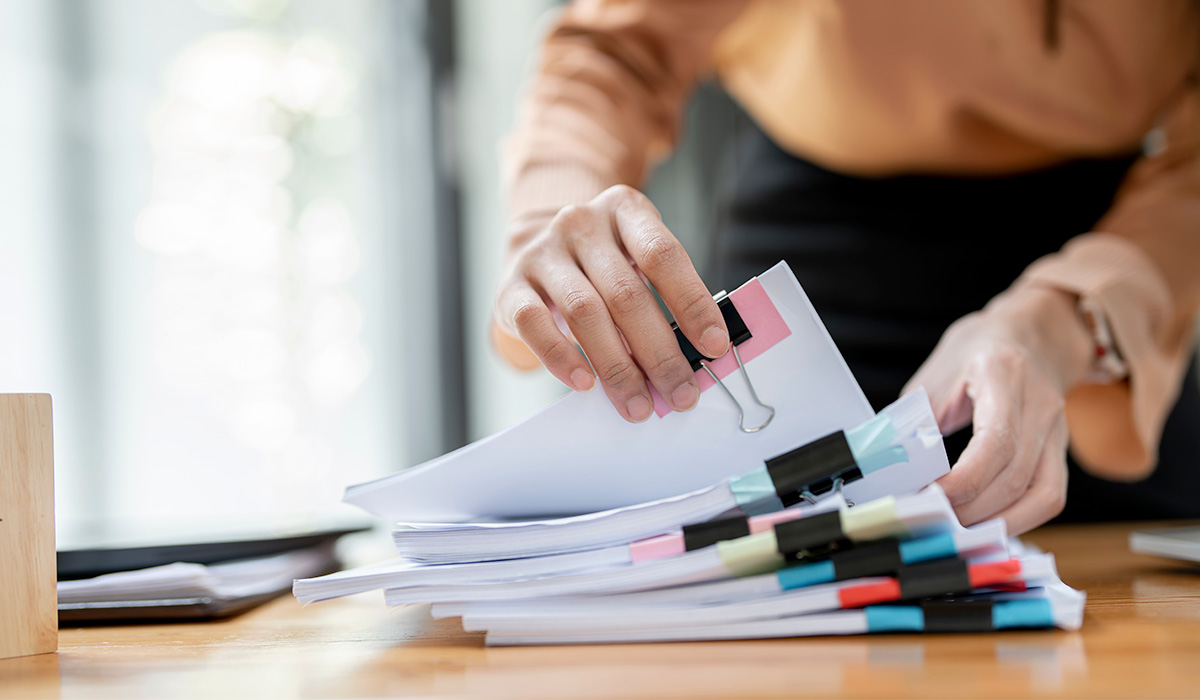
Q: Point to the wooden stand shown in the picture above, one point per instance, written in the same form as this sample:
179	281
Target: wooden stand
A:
28	599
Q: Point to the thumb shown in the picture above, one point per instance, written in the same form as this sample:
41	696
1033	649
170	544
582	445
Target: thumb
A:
951	403
512	350
954	411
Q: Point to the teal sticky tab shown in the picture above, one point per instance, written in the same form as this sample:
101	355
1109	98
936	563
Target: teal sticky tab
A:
871	444
805	575
763	506
873	435
927	548
894	618
755	488
1023	613
874	461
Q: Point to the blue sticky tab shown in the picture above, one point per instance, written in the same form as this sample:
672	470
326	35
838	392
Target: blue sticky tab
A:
755	488
1023	613
894	618
927	548
805	575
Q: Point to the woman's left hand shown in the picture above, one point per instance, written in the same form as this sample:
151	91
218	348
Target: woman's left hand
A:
1007	369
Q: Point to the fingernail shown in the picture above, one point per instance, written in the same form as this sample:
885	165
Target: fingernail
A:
714	341
638	408
583	380
685	397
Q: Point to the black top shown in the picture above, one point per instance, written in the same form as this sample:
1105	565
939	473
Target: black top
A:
889	263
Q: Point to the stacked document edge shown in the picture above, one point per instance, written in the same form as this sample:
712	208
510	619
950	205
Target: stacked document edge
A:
730	562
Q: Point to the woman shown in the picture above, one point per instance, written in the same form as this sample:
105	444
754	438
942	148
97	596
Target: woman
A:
969	170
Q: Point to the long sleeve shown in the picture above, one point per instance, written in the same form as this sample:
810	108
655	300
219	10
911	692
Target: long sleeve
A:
921	86
1142	267
607	98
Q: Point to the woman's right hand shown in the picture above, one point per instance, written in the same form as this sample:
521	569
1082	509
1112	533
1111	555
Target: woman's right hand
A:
584	262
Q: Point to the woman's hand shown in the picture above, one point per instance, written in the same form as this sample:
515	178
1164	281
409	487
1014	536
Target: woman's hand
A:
1007	369
583	263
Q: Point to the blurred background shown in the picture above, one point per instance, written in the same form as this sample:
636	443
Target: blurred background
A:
249	246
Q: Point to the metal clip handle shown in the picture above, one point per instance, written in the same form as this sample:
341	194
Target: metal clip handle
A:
753	393
839	485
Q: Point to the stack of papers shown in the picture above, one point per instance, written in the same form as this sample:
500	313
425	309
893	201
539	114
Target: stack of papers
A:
578	455
826	522
190	590
827	568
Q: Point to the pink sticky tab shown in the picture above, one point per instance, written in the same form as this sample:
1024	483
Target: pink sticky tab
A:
767	521
766	327
661	547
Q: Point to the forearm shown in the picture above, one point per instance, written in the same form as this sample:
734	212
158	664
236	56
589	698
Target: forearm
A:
1115	427
607	97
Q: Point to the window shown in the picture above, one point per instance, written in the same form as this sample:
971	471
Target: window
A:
202	250
249	246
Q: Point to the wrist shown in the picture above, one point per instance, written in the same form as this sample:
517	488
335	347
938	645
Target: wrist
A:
1047	321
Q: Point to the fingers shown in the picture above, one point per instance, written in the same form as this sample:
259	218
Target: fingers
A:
521	308
1047	493
659	255
512	349
1015	463
941	376
579	265
636	313
587	316
1040	411
997	420
1016	411
947	396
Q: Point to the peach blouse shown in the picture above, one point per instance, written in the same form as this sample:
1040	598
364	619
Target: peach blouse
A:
878	87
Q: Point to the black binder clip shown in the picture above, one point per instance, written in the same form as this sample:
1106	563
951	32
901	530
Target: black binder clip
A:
813	469
738	334
953	614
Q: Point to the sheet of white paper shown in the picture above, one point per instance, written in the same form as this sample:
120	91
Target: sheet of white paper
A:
578	455
228	580
821	624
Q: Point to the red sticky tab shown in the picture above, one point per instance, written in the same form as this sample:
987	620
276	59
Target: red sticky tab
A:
991	574
870	594
766	328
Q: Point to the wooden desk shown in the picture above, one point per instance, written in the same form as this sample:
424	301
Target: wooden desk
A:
1141	637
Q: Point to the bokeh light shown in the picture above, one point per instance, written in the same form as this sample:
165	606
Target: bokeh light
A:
255	253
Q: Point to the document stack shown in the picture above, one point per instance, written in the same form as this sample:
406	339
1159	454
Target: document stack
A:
842	531
150	570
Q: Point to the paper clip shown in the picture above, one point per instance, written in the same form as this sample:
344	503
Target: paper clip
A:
808	497
839	485
738	334
753	393
813	469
